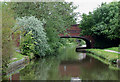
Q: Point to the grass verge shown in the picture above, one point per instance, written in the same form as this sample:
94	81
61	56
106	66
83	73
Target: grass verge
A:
104	56
114	49
17	57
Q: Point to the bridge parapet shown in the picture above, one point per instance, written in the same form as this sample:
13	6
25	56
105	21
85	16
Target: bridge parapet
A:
74	32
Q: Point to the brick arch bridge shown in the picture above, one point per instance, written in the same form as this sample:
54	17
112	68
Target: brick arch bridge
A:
74	32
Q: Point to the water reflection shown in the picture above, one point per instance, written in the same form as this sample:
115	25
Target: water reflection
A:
87	69
81	56
73	68
15	76
58	68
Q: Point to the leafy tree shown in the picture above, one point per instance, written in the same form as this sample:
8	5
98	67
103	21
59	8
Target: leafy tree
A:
119	13
102	21
37	36
56	15
103	24
86	24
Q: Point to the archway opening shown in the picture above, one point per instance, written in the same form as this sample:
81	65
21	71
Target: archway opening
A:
81	43
78	39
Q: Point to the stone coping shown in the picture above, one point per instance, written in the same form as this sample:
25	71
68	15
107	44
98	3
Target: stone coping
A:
12	67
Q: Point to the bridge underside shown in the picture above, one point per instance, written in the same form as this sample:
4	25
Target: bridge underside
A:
88	44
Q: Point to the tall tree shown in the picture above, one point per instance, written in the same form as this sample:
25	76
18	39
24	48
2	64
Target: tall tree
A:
103	23
56	15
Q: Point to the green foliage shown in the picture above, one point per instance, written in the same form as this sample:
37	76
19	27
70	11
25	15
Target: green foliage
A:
69	53
107	55
7	43
102	22
8	20
104	56
7	48
114	49
86	24
56	15
27	44
34	35
18	56
82	42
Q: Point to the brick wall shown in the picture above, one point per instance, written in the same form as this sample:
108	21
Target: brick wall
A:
74	30
16	39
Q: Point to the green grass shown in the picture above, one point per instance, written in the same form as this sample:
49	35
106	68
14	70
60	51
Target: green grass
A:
104	54
18	56
97	57
113	48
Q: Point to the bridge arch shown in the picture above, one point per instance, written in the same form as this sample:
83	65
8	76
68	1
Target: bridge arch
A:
88	43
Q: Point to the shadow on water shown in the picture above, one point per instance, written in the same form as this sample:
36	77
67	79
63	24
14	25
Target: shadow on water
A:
68	65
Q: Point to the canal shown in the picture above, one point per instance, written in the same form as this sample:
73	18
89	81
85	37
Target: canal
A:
67	65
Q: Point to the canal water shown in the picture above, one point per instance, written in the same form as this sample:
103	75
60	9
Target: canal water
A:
68	65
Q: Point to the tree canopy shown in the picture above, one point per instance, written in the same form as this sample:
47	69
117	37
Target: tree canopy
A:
56	16
102	22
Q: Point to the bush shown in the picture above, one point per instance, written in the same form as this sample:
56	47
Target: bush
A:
38	40
27	45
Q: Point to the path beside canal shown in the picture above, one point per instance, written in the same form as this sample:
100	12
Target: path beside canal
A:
112	51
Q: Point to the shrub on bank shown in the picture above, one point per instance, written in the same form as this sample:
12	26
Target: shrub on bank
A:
33	35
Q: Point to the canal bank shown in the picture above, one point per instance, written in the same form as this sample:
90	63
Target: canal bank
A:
110	58
15	66
67	65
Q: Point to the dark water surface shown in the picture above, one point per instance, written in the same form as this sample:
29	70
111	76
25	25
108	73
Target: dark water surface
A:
69	65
